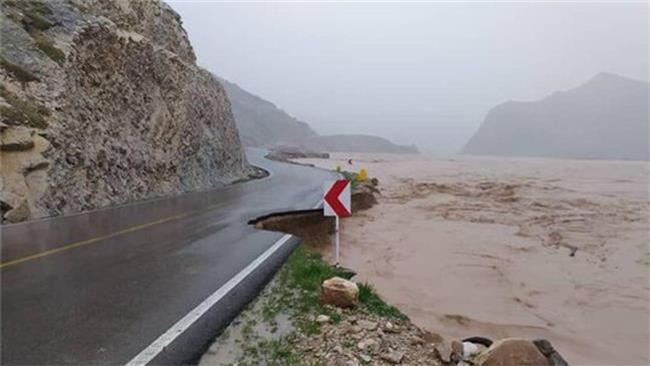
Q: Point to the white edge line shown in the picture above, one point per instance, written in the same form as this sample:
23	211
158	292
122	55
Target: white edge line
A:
155	348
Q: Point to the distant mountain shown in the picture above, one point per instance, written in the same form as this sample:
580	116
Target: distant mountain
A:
262	124
605	118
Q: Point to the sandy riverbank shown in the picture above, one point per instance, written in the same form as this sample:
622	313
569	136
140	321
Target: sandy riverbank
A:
482	246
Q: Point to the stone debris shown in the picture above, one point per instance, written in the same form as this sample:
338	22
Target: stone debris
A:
511	352
359	337
322	319
364	357
336	344
470	350
389	327
339	292
366	343
393	356
441	346
19	213
367	325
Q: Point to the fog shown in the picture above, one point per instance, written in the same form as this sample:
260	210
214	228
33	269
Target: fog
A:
423	73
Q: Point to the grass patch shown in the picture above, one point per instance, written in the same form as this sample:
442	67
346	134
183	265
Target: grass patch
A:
39	7
349	176
17	71
46	45
29	7
22	112
31	15
295	292
34	21
299	290
371	300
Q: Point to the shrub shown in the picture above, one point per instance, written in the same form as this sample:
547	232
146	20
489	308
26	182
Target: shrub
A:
35	21
369	298
22	112
47	46
17	71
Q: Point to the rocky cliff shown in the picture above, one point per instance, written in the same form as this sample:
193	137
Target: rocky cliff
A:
605	118
102	103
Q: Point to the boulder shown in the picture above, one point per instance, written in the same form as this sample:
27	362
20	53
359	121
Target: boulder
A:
553	357
392	356
339	292
322	319
367	324
19	213
511	352
366	343
448	351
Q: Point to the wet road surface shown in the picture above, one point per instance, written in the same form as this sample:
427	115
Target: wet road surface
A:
99	287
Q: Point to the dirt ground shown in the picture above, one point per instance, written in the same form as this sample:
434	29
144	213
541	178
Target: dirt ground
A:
498	247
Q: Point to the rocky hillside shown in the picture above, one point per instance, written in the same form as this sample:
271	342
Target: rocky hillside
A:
262	124
605	118
102	103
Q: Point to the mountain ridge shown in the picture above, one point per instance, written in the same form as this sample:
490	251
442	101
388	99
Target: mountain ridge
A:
262	123
605	117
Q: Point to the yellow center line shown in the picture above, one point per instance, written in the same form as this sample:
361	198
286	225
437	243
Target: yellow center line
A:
104	237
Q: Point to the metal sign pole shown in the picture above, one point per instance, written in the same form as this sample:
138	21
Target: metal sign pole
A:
337	203
337	240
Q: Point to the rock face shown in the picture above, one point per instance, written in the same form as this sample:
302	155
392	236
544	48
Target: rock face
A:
339	292
115	106
512	352
605	118
262	124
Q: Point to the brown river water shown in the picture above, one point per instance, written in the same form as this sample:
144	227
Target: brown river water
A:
498	247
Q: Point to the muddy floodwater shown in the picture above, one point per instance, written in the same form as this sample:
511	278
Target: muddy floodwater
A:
526	247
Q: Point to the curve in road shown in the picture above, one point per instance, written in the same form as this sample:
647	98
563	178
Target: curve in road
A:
104	287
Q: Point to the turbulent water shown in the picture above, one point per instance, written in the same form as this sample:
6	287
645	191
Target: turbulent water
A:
530	247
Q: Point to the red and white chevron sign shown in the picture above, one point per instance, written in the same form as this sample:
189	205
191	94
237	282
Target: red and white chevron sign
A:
336	200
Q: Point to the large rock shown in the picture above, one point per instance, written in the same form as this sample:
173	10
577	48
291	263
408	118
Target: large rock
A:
512	352
114	87
552	355
339	292
19	213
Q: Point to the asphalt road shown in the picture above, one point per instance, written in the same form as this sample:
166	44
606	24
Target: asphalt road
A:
100	287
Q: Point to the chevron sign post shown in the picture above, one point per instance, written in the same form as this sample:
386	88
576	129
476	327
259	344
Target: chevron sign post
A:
337	203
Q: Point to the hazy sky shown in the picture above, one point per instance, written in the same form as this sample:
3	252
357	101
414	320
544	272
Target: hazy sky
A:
423	73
